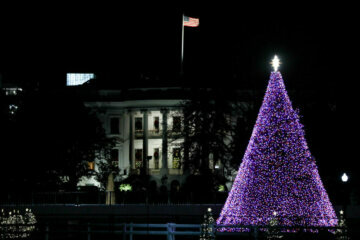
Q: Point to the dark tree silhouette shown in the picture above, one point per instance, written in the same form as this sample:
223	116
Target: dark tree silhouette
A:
50	142
212	118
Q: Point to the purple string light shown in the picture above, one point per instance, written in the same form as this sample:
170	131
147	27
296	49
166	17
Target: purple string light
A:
278	178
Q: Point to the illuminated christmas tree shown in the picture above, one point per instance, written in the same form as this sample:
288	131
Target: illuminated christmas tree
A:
277	173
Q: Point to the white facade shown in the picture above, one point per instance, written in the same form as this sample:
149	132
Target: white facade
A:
139	128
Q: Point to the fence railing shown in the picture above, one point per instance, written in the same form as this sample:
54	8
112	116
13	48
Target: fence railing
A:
98	197
129	231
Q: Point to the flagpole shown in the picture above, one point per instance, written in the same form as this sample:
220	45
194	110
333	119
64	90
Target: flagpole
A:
182	46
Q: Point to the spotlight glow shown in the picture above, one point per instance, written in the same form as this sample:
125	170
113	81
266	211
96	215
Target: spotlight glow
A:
344	177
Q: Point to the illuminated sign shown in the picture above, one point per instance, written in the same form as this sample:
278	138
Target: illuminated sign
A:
75	79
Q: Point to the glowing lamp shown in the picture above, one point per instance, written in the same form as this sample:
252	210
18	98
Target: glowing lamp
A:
344	177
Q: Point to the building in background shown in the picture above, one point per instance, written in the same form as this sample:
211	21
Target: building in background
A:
144	115
141	129
144	122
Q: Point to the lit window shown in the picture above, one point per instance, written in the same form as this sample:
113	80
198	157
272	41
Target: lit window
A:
156	124
156	158
75	79
91	165
176	158
138	158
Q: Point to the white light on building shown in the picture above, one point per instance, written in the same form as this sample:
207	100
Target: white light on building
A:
12	91
75	79
344	177
13	108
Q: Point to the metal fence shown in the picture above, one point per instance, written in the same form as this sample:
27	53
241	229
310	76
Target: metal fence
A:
98	197
171	231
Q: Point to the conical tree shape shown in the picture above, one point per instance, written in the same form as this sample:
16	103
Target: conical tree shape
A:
278	175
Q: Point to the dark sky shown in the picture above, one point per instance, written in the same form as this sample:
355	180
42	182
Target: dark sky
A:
233	45
231	42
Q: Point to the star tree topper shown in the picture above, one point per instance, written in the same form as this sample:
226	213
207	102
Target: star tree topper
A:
275	63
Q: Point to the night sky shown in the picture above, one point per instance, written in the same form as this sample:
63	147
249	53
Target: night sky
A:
233	46
231	42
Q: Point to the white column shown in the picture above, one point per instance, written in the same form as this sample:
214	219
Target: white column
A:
145	141
164	165
131	141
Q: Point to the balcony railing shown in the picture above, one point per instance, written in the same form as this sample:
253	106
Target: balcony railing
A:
99	197
151	133
154	133
139	133
155	171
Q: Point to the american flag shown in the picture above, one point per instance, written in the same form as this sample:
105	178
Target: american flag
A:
191	22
